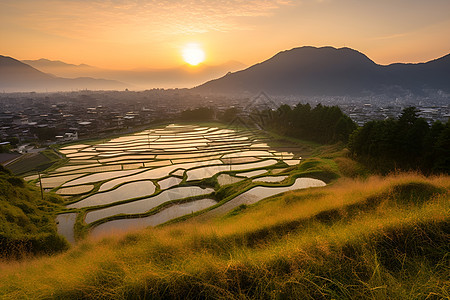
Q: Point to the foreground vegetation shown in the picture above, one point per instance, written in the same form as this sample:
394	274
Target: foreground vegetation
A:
373	238
27	223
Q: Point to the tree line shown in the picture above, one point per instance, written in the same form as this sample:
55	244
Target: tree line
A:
323	124
406	143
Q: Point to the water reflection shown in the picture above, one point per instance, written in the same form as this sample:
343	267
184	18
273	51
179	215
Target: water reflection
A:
65	223
126	191
144	205
163	216
260	192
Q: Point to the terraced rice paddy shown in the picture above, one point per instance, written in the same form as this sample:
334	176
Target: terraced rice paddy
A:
260	192
169	182
145	205
252	173
205	172
172	212
151	177
75	190
124	192
224	179
270	179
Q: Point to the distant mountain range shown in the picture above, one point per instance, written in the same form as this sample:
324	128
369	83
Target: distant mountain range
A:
181	77
16	76
304	71
328	71
62	69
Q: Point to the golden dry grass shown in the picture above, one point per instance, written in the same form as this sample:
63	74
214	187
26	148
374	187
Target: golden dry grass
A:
340	241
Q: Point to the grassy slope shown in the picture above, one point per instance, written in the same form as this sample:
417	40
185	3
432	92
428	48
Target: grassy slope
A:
26	220
373	238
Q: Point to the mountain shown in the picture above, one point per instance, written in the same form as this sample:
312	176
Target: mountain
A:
13	71
16	76
62	69
182	76
328	71
434	74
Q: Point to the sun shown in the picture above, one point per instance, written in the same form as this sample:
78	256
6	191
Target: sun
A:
193	54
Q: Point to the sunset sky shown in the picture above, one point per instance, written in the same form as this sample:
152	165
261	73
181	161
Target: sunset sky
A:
123	34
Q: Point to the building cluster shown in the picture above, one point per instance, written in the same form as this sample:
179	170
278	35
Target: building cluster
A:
27	118
59	117
364	109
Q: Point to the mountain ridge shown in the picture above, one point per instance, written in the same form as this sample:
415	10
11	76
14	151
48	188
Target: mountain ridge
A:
44	61
16	76
329	71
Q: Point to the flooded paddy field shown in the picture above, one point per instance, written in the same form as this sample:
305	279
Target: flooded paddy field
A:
151	177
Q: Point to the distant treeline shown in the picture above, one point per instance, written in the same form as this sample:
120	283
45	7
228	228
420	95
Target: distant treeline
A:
406	143
198	114
323	124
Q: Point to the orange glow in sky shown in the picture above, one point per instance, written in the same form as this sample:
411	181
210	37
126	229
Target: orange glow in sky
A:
193	54
130	34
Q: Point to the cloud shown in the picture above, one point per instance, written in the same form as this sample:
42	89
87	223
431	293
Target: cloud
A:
105	19
391	36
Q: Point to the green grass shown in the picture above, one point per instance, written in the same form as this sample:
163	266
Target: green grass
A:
27	223
375	238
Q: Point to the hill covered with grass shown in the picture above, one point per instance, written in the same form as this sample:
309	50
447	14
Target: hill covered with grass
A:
378	237
27	224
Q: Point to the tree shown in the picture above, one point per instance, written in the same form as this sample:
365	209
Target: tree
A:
324	124
230	114
406	143
198	114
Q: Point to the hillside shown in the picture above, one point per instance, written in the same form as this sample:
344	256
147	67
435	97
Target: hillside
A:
16	76
328	71
13	71
357	238
27	223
